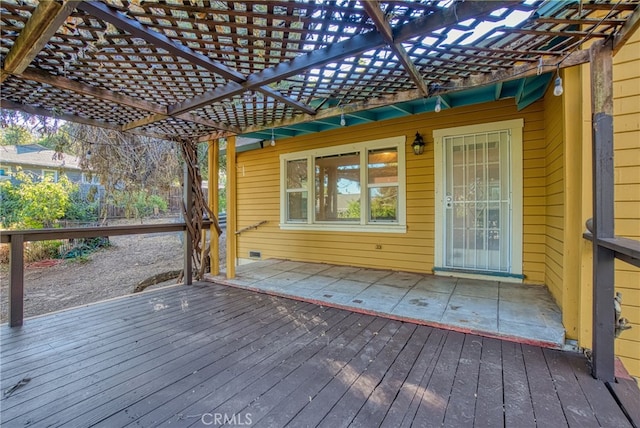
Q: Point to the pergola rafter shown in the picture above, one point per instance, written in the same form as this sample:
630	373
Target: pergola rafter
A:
191	70
378	17
45	21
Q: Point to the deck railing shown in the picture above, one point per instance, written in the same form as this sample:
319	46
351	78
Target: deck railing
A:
17	238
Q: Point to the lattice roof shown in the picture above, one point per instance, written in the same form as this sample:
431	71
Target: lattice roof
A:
196	68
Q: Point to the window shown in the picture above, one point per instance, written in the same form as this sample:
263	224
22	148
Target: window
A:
50	174
90	179
356	187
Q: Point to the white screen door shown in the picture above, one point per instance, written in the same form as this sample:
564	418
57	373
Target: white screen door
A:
477	205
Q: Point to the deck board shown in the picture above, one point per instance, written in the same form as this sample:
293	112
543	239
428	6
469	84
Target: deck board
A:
170	356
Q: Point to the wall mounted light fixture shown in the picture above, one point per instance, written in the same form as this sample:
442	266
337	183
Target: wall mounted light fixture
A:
418	144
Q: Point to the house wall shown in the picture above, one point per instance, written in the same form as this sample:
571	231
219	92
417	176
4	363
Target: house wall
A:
626	127
554	208
259	195
626	124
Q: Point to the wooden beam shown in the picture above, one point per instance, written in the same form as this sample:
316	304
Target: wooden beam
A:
517	72
11	105
16	281
187	195
48	16
284	99
92	91
232	213
337	51
78	119
627	30
603	211
144	121
159	112
214	196
377	16
103	11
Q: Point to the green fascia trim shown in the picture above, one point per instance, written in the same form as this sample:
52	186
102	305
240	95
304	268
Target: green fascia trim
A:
365	116
526	91
535	89
303	127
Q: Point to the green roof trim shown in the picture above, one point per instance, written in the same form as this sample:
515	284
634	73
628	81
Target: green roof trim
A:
524	91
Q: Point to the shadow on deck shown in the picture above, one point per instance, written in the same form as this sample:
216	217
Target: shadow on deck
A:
197	355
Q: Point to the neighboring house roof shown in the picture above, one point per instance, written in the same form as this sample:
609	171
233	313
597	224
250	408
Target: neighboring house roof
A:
39	156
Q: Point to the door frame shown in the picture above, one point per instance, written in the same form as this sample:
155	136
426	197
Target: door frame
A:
515	126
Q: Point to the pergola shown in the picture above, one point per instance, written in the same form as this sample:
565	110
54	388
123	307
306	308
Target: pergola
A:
198	70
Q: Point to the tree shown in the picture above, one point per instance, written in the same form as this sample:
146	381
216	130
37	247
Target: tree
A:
15	135
35	204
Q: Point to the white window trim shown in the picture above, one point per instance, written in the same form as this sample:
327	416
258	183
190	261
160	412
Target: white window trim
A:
55	174
85	180
380	227
516	127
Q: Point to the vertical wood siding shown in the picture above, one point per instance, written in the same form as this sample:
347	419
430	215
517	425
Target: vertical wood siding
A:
258	174
626	123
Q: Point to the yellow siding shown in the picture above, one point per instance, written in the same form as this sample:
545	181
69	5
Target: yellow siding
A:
626	110
554	197
258	183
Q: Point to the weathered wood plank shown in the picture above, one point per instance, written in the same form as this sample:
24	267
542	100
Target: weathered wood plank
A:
406	403
284	363
315	374
490	406
119	386
319	397
436	398
115	377
350	403
568	389
231	383
517	400
605	409
628	394
378	403
462	404
72	368
546	404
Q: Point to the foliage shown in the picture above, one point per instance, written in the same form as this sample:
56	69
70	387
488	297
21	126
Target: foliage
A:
34	204
15	135
352	211
42	250
10	204
83	208
43	202
139	204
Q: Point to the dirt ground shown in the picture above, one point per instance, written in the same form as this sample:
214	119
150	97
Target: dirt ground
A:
109	272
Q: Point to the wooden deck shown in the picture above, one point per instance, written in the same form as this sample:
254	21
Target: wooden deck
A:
197	355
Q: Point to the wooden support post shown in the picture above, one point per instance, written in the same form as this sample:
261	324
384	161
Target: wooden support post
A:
214	197
231	207
188	243
603	212
16	281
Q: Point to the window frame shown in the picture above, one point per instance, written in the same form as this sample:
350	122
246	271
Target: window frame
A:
364	224
53	172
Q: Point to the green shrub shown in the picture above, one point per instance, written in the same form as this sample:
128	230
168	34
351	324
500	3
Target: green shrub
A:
80	208
42	250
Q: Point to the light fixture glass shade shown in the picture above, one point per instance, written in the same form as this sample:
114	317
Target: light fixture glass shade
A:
418	144
438	105
557	89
